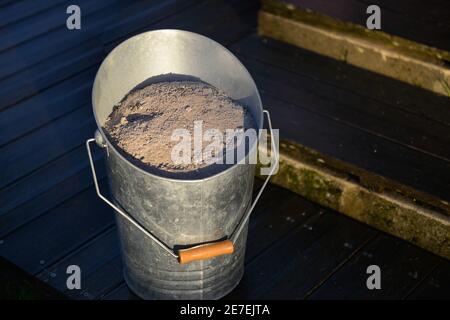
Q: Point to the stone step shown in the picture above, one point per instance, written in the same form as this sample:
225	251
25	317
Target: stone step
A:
391	207
378	51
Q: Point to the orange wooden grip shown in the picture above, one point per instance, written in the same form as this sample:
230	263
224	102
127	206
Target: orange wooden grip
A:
205	251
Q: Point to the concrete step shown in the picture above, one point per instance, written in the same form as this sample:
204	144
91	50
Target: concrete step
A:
385	204
391	55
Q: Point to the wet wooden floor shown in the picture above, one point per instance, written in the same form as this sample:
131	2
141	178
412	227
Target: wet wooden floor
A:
50	216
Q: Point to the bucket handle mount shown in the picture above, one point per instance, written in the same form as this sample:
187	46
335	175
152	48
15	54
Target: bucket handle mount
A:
199	252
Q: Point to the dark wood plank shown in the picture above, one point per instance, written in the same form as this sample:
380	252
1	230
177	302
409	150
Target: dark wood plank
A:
402	266
224	22
35	80
272	222
45	144
284	270
22	9
18	285
272	197
378	119
94	259
45	190
38	245
105	278
233	21
359	148
122	292
58	41
436	286
320	260
436	12
4	3
373	89
47	106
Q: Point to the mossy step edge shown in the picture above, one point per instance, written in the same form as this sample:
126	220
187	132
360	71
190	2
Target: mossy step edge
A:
306	173
376	51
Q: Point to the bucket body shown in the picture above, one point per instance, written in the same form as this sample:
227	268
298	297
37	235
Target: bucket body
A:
179	212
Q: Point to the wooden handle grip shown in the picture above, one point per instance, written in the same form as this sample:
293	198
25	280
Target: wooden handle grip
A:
205	251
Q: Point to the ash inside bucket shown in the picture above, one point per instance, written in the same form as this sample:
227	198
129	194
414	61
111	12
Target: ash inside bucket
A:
151	121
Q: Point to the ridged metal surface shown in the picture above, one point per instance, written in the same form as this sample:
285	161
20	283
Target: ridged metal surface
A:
179	212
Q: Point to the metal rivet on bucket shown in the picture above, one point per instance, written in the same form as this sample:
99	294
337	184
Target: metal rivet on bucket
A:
180	239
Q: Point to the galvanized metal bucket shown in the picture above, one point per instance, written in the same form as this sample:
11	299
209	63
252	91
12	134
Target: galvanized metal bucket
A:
180	239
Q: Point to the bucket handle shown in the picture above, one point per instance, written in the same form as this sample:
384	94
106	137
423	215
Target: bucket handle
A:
200	252
244	220
120	211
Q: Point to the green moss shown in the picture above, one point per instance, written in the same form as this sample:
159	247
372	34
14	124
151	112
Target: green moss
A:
382	214
446	87
309	184
323	191
409	224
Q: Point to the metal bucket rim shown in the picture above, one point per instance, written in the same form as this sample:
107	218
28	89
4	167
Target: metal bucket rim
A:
244	69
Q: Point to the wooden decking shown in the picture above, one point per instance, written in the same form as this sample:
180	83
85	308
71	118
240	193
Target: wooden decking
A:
50	216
